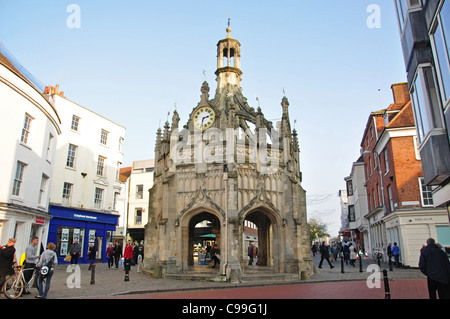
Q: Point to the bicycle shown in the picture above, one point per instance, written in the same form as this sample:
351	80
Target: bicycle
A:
14	286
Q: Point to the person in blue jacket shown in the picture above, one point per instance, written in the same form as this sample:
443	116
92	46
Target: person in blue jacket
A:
396	254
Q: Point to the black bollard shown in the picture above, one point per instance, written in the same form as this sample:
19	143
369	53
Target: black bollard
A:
387	291
93	275
127	269
342	263
360	263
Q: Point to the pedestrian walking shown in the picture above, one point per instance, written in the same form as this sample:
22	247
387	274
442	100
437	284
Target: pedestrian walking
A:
324	254
75	252
332	252
215	255
49	259
117	253
208	251
7	257
314	250
396	253
389	251
128	253
135	253
336	251
31	260
353	254
346	250
128	256
91	255
251	252
434	264
110	255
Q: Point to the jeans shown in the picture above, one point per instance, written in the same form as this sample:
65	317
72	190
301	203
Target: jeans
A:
74	259
110	262
117	258
43	291
29	273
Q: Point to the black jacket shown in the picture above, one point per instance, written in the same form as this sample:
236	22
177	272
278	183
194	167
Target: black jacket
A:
117	251
434	263
324	253
6	260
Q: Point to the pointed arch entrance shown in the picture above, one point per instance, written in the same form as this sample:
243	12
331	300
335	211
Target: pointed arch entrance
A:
267	233
203	227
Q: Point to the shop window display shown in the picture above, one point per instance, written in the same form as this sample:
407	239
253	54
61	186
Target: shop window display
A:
66	236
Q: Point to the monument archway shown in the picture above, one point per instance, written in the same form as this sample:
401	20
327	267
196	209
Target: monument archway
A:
225	179
267	234
195	234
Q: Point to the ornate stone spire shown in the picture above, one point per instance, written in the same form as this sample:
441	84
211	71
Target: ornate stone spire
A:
204	98
285	125
158	145
228	62
175	120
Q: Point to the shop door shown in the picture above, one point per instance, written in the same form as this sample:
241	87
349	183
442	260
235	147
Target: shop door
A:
99	247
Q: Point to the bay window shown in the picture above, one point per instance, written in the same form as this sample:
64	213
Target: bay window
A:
441	48
427	110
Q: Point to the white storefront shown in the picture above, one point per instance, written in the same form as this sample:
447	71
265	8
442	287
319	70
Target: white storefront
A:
411	229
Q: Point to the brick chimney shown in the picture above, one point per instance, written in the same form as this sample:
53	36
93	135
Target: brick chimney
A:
400	92
53	90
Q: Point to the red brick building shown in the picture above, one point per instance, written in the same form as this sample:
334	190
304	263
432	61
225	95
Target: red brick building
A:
400	205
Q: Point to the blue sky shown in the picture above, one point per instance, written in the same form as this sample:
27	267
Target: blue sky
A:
130	61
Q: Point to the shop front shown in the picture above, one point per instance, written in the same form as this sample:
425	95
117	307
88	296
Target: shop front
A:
89	227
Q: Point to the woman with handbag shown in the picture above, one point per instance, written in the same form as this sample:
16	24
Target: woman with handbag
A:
47	267
110	255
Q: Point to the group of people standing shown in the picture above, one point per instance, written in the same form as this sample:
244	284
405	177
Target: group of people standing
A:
33	262
131	253
113	254
350	252
433	263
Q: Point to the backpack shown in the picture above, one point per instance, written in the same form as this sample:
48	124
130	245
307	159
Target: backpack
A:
45	270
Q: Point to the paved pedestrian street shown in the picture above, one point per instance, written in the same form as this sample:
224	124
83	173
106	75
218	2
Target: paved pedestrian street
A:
325	284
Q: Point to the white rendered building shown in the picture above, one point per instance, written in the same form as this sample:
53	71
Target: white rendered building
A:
29	127
86	184
357	206
140	181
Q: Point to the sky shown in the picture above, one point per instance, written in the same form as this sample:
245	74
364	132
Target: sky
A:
131	61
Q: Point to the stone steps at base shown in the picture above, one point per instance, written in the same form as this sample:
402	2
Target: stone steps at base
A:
196	276
271	277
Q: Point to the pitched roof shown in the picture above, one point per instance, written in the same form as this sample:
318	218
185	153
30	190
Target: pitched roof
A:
404	118
124	173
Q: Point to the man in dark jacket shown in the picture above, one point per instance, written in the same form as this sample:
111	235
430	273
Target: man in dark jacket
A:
324	254
117	253
434	264
7	260
251	253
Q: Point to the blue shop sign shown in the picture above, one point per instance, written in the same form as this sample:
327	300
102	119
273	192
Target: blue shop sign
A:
82	215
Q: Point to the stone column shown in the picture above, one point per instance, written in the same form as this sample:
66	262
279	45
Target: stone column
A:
233	270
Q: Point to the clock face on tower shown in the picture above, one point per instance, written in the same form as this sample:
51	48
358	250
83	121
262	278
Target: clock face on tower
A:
203	118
